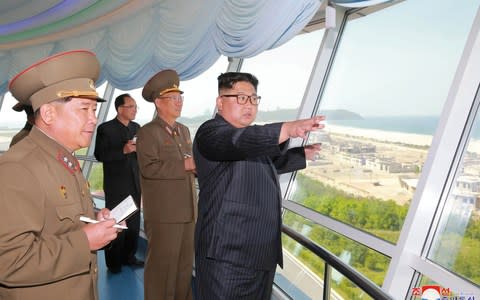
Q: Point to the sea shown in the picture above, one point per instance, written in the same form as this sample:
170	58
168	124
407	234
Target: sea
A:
406	124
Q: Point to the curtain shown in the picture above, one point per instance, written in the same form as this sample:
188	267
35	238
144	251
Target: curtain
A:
185	35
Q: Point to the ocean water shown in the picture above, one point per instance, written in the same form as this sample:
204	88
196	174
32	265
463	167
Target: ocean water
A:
406	124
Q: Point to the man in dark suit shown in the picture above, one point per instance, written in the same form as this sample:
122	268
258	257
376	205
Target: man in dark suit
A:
238	231
116	147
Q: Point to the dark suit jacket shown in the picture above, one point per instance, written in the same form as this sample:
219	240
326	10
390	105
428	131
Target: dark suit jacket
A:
120	171
239	205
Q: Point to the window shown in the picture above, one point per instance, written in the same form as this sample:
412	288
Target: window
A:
457	239
10	121
385	91
283	74
200	96
145	109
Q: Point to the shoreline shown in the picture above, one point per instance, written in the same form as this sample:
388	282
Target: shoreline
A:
394	136
382	135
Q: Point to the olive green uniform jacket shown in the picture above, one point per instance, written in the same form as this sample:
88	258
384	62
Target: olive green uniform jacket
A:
169	209
168	191
44	254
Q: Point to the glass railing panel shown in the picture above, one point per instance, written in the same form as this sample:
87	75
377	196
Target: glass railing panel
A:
297	280
95	179
368	262
343	288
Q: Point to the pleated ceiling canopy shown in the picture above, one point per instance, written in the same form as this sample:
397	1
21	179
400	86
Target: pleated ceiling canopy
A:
134	39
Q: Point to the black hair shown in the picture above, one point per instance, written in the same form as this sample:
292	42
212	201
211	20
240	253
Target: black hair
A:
28	110
227	80
120	100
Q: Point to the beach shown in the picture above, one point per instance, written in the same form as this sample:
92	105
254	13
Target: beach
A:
394	136
381	135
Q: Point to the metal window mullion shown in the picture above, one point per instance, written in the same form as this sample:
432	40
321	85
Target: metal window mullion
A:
2	96
102	115
234	65
316	84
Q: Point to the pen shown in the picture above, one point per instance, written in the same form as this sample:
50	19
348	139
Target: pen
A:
88	220
186	155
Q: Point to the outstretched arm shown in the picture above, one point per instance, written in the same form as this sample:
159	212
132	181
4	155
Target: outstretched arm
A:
300	128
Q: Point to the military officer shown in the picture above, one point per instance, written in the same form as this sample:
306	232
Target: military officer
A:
46	252
164	151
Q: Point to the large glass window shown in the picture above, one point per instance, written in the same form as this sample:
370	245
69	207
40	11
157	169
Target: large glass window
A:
10	121
283	74
145	109
387	86
145	113
200	96
456	245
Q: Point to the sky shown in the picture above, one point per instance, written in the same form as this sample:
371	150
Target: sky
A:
404	57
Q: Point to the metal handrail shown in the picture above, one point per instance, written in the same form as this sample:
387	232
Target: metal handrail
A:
361	281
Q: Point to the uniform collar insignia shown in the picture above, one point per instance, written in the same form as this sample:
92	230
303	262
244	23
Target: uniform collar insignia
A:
69	162
173	131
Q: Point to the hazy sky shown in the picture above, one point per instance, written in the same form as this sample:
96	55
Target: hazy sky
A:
403	57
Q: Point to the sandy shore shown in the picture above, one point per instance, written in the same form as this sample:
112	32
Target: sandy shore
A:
381	135
393	136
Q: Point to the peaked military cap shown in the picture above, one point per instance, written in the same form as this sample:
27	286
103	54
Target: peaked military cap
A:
66	74
161	83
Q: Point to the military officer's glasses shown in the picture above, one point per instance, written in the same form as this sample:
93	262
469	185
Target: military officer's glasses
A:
178	98
242	99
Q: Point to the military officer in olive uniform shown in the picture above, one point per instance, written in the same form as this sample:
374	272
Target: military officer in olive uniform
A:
46	252
164	151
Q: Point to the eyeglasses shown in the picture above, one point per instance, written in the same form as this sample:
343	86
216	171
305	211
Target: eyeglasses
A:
130	106
178	98
242	99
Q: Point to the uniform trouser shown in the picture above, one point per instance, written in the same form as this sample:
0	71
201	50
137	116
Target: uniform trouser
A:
124	247
217	280
169	261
